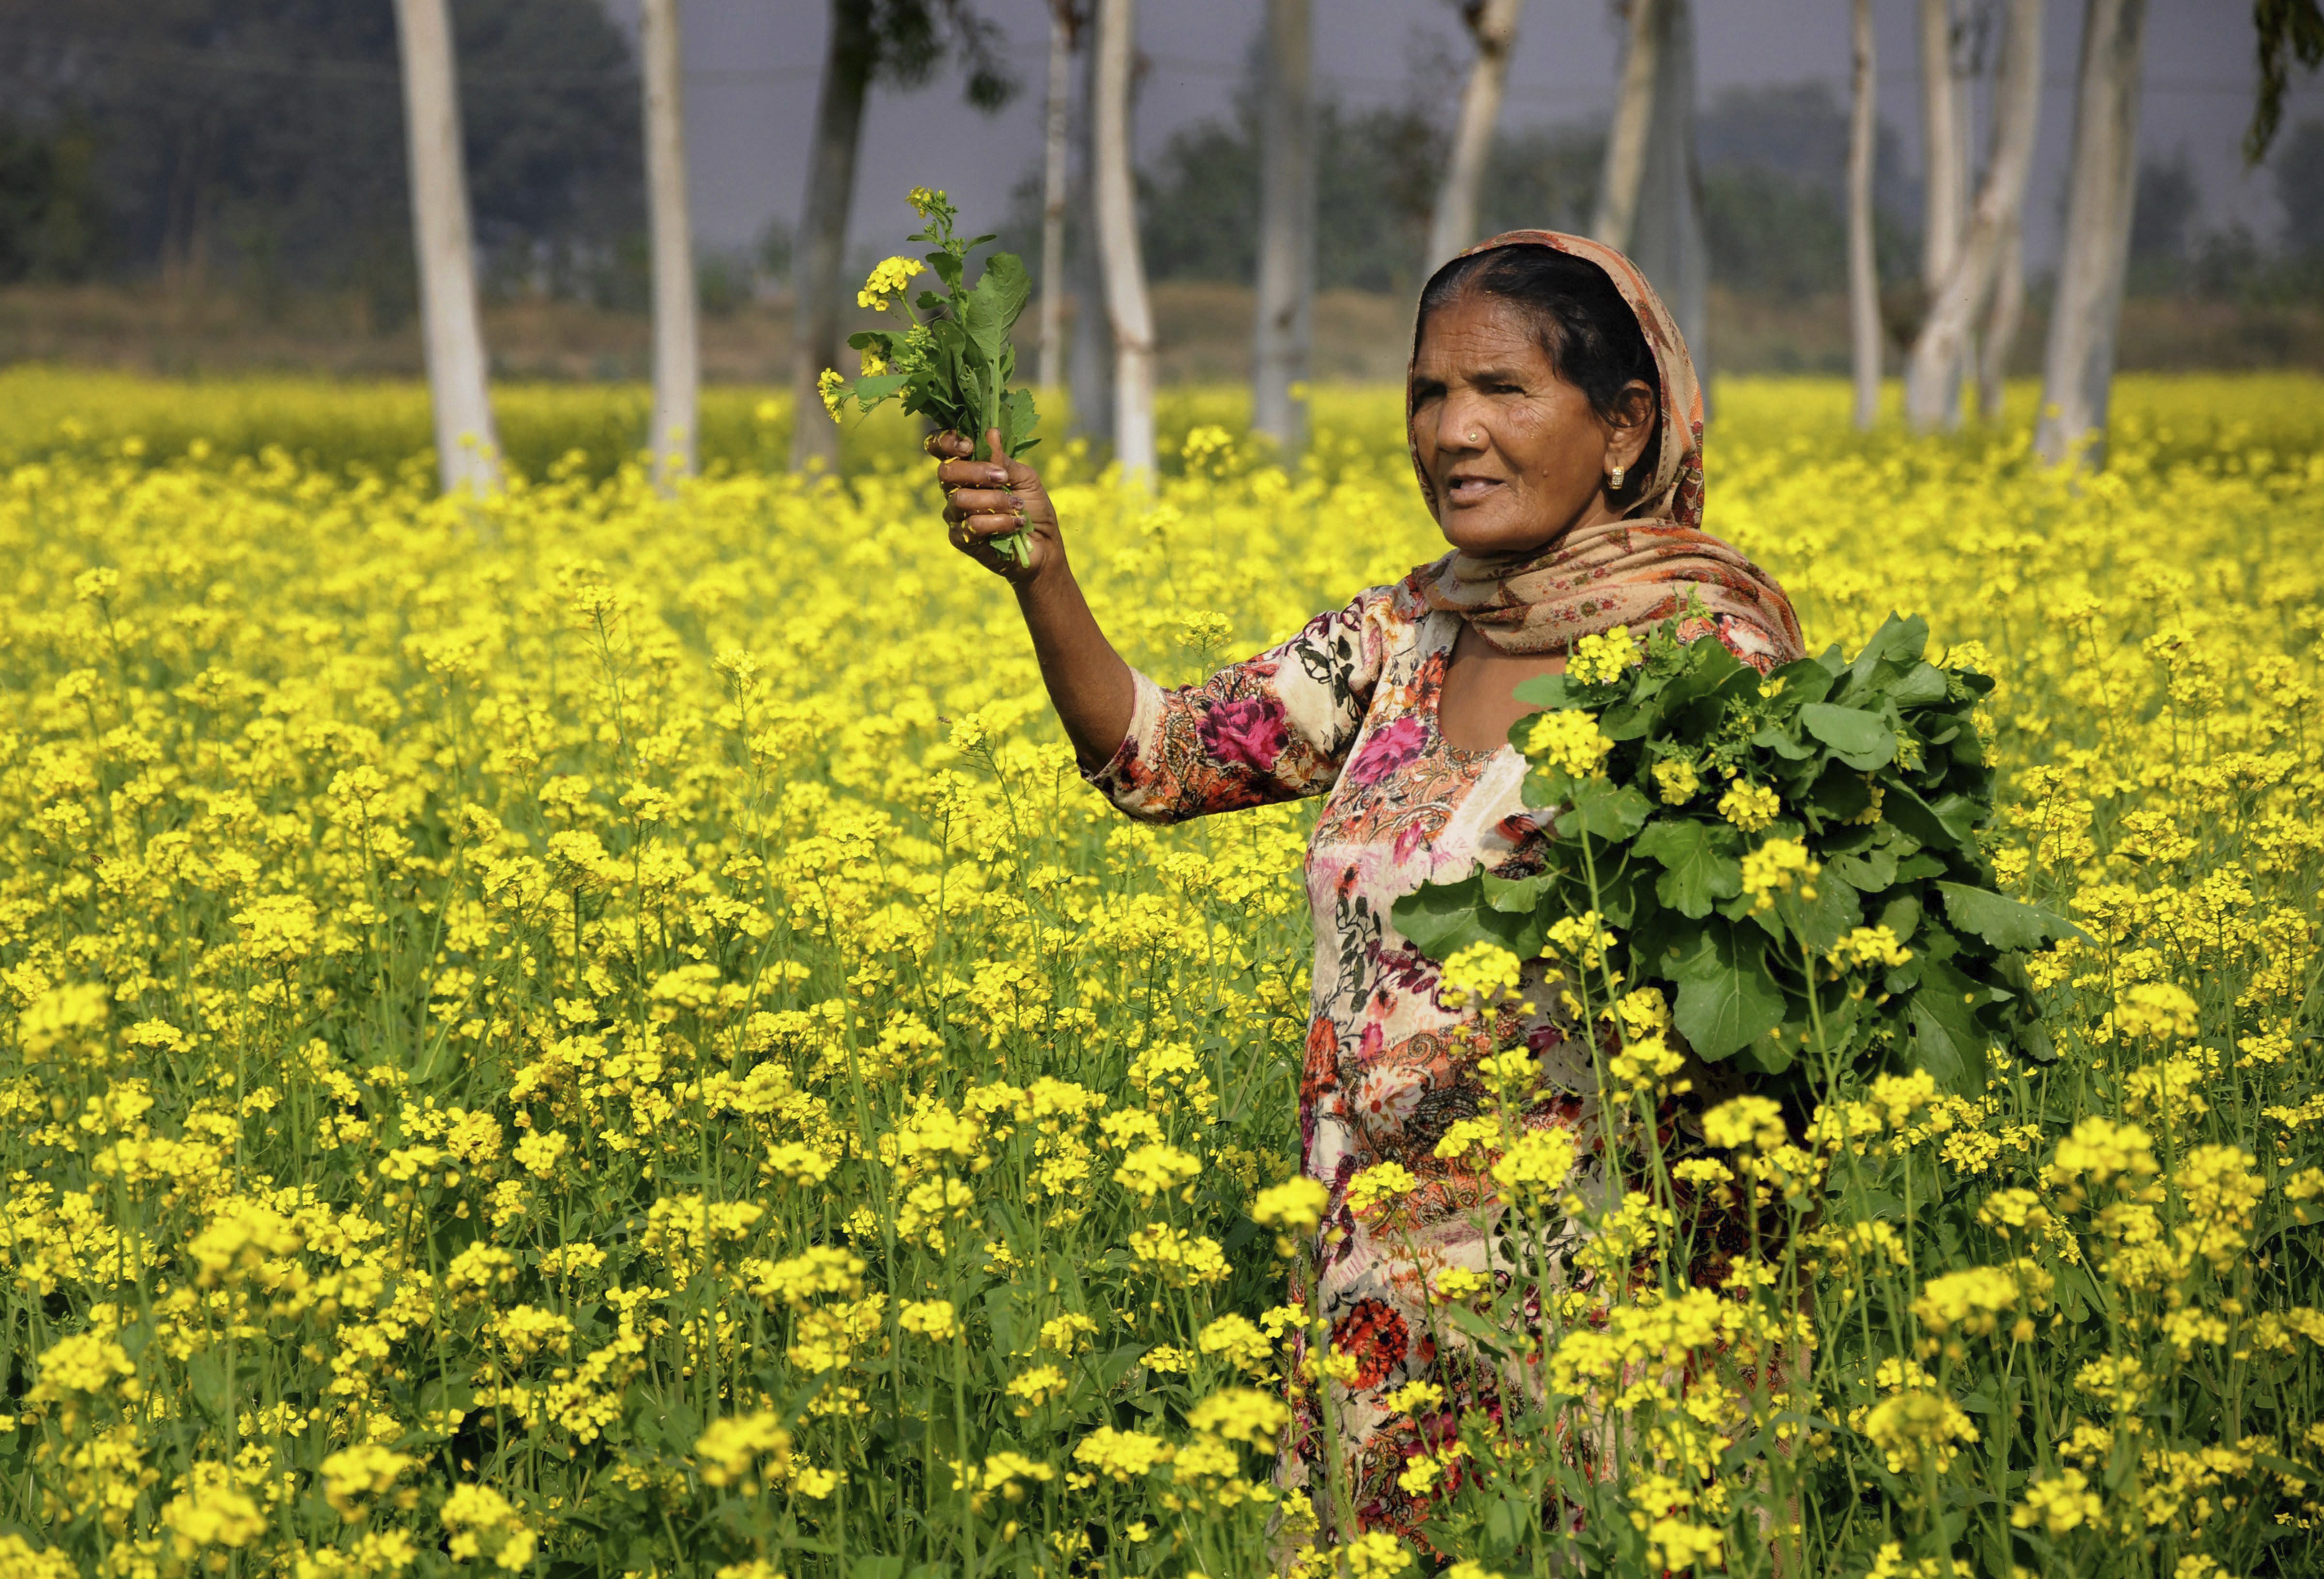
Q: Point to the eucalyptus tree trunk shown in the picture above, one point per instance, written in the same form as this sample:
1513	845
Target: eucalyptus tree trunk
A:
1494	25
1945	163
1627	137
676	339
2002	323
1666	239
1283	335
1054	149
1115	181
1941	349
1863	268
1089	362
467	451
823	229
2078	369
1944	160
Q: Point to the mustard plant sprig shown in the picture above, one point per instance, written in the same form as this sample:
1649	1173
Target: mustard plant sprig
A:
953	362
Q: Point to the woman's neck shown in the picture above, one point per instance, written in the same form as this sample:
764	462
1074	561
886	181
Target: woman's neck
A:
1475	708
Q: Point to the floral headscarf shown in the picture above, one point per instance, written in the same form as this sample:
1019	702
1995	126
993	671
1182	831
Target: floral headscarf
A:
1633	571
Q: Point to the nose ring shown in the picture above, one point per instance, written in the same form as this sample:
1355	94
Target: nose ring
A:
1474	436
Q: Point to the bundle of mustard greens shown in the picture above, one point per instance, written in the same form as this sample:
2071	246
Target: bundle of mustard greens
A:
1793	858
953	364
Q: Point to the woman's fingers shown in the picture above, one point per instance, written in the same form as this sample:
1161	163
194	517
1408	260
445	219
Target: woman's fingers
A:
984	500
986	511
1015	472
988	515
972	473
988	499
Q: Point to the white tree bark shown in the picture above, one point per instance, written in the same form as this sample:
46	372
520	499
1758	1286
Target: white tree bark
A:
677	337
1863	270
2002	323
1051	361
1944	157
1127	307
1940	350
1494	25
2078	369
1944	161
467	451
1089	359
823	231
1283	335
1626	138
1666	237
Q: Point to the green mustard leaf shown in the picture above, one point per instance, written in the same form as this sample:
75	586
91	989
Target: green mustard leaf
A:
1725	998
2005	923
1922	685
1440	917
1017	420
1959	813
1802	680
1897	641
1903	807
1947	1040
1862	739
1600	808
1834	912
1839	794
1711	669
994	305
1781	739
1701	862
1515	896
1547	786
1871	871
1543	690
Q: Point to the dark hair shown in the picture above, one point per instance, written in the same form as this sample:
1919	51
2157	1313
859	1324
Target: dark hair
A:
1590	333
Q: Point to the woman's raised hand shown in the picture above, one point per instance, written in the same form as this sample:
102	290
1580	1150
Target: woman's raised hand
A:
988	499
1091	687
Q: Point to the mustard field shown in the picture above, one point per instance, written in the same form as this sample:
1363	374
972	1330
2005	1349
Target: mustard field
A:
584	1034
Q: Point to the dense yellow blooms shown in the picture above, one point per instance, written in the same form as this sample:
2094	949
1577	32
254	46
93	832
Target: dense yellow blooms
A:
1749	807
530	1025
1571	740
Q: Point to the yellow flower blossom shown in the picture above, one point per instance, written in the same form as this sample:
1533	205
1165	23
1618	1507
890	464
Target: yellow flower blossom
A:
1568	740
1749	807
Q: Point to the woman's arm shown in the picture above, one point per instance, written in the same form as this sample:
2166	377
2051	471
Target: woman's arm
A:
1273	727
1089	684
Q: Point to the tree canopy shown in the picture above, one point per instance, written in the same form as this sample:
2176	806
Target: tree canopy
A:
263	140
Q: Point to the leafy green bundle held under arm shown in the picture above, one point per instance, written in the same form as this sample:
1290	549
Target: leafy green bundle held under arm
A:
1796	855
954	364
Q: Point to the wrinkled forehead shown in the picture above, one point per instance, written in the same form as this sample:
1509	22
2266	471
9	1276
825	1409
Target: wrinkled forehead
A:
1477	330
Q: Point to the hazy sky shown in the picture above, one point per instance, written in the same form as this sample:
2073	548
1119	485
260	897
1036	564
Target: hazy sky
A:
752	68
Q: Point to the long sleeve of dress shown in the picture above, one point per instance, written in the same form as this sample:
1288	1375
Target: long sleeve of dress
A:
1274	727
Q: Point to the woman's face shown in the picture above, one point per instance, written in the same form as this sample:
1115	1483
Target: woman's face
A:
1514	453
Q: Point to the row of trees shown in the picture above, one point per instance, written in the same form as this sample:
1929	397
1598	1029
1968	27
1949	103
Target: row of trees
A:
260	145
1648	202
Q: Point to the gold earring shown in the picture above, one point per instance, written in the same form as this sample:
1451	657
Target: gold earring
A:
1614	477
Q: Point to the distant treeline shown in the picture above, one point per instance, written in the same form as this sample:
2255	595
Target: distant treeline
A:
1773	203
260	142
1771	187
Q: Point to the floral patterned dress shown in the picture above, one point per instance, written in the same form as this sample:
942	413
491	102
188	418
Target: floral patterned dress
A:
1348	709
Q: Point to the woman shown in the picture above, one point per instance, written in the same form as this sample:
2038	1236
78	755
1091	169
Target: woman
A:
1555	431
